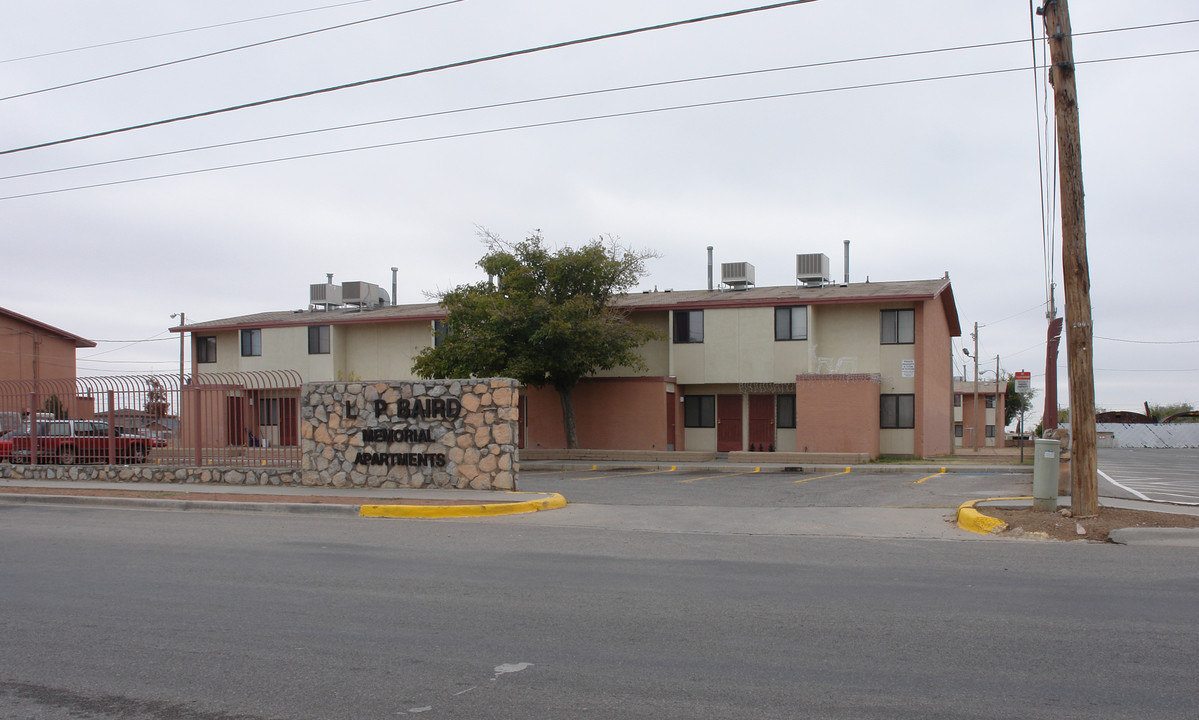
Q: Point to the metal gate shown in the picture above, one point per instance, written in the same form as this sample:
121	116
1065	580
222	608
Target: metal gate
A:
226	419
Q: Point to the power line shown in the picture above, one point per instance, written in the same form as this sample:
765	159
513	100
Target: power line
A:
585	93
512	103
181	32
412	73
227	50
1149	342
552	123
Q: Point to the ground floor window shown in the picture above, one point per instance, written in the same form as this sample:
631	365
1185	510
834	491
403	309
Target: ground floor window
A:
784	411
897	411
990	431
699	411
957	430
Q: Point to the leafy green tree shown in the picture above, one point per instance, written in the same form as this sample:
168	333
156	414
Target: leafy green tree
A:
1161	412
543	318
1015	403
55	407
157	404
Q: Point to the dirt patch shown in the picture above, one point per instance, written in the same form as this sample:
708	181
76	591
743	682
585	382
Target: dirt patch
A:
240	497
1026	522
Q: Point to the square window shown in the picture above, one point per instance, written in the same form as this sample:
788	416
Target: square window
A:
897	411
688	326
251	343
990	431
990	401
791	323
318	339
699	411
206	349
784	406
898	327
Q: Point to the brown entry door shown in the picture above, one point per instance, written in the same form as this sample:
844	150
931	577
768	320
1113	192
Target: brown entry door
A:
728	423
761	423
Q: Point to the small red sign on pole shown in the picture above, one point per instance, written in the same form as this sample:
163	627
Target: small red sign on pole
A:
1023	382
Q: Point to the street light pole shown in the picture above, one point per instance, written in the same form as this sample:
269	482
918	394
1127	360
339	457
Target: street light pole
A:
182	336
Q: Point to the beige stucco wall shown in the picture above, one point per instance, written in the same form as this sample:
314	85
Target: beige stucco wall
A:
739	346
655	354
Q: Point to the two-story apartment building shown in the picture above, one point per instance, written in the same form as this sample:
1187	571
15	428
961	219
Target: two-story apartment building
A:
861	367
978	419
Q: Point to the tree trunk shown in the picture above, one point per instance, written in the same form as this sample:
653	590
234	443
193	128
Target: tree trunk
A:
568	416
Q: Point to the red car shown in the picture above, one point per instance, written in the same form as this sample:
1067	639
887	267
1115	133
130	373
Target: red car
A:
6	446
73	441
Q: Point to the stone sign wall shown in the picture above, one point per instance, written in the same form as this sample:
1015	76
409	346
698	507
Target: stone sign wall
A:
431	433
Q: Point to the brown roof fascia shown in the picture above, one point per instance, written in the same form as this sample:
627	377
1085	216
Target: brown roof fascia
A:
80	342
307	318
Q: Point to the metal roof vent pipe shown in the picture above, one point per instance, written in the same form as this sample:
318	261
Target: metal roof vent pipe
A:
846	262
395	270
709	268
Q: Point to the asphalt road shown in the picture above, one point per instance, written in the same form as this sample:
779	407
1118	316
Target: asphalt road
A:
143	615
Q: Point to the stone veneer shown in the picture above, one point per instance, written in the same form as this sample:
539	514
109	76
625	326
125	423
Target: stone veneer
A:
432	433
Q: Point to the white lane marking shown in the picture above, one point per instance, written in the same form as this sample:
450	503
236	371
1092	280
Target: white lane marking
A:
1123	487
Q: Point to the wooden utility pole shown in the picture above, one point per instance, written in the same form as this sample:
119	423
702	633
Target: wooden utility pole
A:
1076	274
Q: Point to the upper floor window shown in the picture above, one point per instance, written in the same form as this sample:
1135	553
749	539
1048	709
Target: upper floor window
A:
897	411
957	399
898	327
318	339
251	342
990	401
688	326
791	323
206	349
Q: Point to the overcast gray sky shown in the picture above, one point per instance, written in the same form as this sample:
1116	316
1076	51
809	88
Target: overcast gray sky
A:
924	176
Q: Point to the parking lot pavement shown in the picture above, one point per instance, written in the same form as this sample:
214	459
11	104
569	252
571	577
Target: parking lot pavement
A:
1167	475
748	488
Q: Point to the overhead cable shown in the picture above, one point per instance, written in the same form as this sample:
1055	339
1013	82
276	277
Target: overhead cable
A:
182	32
227	50
411	73
568	121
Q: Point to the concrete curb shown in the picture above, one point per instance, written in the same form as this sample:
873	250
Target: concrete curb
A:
974	521
565	466
1176	537
550	501
278	508
542	501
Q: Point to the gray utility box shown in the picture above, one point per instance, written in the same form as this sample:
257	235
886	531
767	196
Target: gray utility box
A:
1045	461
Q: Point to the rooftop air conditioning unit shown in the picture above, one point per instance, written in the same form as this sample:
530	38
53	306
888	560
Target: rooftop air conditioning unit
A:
326	295
362	294
811	269
737	275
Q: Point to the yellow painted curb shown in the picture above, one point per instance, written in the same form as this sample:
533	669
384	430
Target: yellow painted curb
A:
974	521
452	511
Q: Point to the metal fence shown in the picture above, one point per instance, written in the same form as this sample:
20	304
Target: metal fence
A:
226	419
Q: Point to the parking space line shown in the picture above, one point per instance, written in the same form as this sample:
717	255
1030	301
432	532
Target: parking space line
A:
930	477
647	472
818	477
721	475
1121	486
